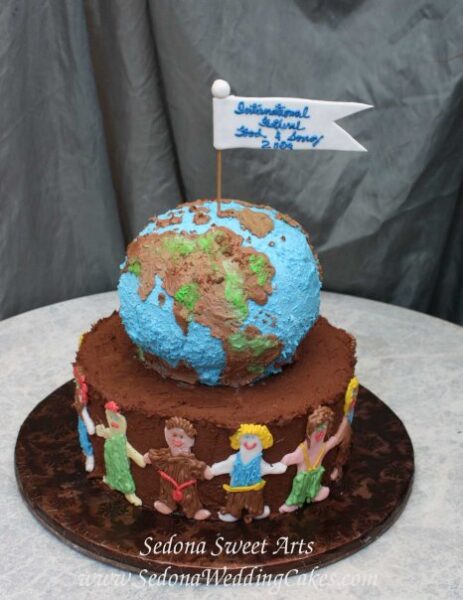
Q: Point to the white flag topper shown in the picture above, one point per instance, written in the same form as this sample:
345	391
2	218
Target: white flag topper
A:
280	123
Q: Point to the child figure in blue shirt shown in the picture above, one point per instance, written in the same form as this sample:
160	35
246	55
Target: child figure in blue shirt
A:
247	469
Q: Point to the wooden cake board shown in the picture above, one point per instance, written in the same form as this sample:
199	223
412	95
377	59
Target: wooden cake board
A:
99	522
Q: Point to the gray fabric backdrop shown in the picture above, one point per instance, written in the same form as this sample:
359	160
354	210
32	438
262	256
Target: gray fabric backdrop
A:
106	119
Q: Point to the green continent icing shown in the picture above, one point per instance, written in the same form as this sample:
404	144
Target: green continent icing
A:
179	245
258	265
205	243
135	268
235	294
118	475
258	344
188	294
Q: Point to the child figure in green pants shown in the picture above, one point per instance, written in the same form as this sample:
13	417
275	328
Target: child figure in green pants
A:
308	456
117	452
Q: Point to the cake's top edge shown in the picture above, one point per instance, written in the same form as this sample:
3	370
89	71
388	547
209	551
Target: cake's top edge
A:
324	367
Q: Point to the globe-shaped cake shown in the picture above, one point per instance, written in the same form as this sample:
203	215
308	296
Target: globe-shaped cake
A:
219	293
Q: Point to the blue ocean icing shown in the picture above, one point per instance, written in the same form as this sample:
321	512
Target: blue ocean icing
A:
290	311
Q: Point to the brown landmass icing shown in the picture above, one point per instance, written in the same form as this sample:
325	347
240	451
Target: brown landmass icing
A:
259	224
198	205
211	278
201	218
211	308
288	220
171	220
242	365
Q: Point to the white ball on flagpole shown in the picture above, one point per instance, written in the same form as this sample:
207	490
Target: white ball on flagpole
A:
220	88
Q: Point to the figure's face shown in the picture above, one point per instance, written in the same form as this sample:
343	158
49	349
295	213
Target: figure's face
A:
319	434
116	422
178	441
251	443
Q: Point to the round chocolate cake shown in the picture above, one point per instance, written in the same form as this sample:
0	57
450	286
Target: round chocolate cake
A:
217	390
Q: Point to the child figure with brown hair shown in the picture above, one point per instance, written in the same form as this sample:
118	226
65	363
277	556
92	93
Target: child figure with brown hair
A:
308	457
179	470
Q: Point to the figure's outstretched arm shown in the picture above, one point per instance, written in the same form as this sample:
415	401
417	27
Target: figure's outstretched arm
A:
221	468
293	458
154	456
275	469
208	474
102	431
135	456
339	435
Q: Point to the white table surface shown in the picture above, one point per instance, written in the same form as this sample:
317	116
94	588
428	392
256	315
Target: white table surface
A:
411	361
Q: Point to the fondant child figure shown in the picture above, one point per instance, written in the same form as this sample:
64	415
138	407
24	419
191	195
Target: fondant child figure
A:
117	452
247	468
308	456
85	424
344	447
179	470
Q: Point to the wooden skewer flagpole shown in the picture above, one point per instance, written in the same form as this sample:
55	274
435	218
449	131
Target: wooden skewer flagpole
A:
219	175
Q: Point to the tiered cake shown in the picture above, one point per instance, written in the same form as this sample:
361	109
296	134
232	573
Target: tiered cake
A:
217	390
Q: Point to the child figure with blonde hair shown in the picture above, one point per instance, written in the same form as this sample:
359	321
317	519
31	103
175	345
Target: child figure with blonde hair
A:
247	468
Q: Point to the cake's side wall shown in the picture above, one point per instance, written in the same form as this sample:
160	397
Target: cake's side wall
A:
212	445
107	357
